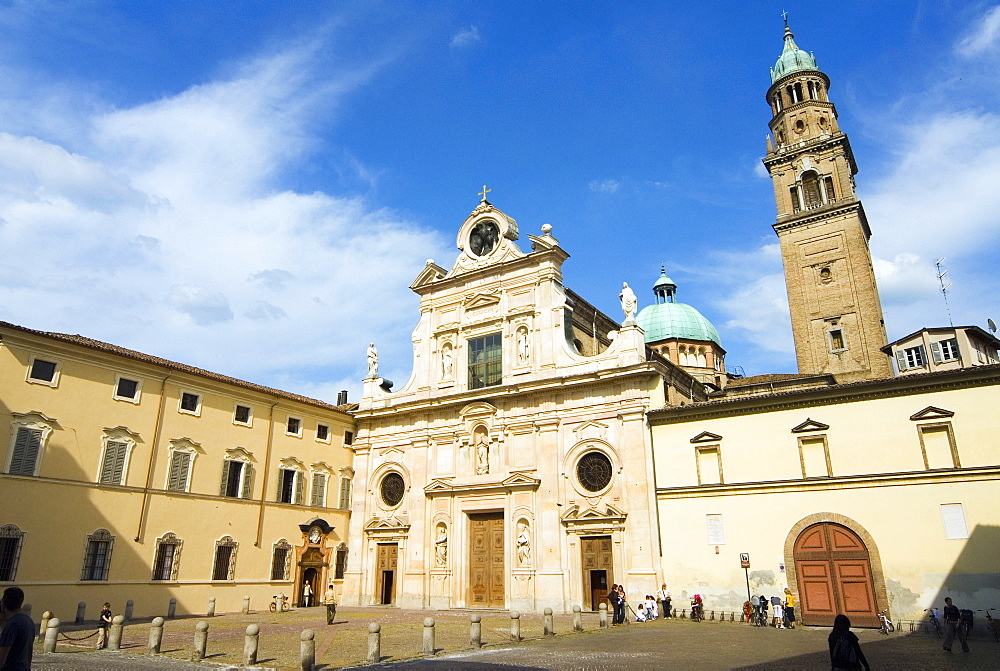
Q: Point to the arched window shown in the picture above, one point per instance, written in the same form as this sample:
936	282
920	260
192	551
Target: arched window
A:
811	195
224	567
701	358
167	558
97	558
281	560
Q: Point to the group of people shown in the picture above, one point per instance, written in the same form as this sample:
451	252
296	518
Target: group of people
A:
783	610
647	610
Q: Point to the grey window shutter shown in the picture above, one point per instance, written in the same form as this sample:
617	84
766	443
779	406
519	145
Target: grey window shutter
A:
954	348
936	351
247	481
923	354
281	484
900	360
299	486
174	480
114	463
318	489
25	455
226	465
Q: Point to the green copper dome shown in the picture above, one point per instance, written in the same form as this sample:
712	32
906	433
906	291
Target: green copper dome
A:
667	319
792	58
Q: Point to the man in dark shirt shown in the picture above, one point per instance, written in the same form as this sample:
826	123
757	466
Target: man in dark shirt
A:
952	626
18	632
615	600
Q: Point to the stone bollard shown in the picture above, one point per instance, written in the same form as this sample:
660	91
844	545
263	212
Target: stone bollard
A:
246	604
476	631
129	607
683	614
81	611
172	609
577	619
115	632
250	642
46	616
374	643
211	607
515	626
548	629
602	614
731	616
307	649
711	615
200	639
429	648
51	635
156	635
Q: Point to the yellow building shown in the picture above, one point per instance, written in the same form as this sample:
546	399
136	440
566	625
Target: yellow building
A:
129	477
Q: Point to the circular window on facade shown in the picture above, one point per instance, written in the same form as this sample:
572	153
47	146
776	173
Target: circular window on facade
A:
594	471
392	489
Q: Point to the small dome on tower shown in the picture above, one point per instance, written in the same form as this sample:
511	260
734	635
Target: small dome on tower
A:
792	58
669	319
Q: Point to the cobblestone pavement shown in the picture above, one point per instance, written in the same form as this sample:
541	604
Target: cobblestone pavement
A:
705	645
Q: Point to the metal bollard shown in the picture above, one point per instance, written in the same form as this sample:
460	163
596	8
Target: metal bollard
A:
307	649
115	632
250	642
200	639
81	611
476	631
129	607
172	609
731	617
602	613
46	616
711	615
683	614
548	629
51	635
246	604
429	648
577	619
515	625
155	635
211	607
374	643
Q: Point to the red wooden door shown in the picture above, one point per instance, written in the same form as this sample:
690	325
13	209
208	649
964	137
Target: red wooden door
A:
834	576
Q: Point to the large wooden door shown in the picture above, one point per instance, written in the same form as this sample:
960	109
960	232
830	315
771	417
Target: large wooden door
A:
834	576
386	572
486	584
597	569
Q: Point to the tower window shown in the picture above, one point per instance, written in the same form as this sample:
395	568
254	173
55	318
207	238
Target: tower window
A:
811	196
837	340
811	86
828	196
793	191
777	102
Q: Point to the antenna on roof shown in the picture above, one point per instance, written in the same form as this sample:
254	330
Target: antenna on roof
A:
944	288
992	325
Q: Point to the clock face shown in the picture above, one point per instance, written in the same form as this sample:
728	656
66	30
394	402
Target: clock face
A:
484	237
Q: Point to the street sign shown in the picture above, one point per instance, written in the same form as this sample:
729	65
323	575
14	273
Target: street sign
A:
744	560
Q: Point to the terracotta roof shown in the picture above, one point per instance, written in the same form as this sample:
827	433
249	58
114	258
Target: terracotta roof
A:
173	365
763	379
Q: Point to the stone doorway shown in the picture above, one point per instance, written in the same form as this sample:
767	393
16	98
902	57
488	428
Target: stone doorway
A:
386	572
486	553
597	569
834	576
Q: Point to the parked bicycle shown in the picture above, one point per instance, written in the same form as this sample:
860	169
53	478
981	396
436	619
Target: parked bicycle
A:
935	623
991	624
285	606
885	624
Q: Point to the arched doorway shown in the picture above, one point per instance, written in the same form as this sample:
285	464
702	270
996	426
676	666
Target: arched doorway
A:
834	576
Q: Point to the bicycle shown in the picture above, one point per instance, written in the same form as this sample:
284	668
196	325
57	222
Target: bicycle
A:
285	606
885	624
991	624
932	616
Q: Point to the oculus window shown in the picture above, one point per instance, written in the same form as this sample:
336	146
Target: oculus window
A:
392	489
594	471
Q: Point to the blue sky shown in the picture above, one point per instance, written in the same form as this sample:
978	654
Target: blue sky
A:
251	187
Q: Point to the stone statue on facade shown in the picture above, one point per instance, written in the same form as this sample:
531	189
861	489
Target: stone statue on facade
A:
372	360
483	455
446	363
523	544
441	547
630	303
523	347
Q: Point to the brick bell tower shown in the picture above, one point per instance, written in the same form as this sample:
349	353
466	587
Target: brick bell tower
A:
836	314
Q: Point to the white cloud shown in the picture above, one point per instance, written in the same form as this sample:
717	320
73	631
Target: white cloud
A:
466	37
605	185
984	37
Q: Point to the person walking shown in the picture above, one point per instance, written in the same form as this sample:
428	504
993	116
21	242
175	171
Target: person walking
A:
613	601
663	596
845	651
789	609
330	599
17	632
102	626
952	626
307	593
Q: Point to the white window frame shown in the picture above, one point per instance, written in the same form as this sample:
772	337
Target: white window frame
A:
118	434
288	420
915	357
298	483
180	400
329	431
945	351
239	455
32	421
184	446
249	422
138	389
54	382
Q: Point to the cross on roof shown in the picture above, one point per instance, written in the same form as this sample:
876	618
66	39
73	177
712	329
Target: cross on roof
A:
483	193
784	15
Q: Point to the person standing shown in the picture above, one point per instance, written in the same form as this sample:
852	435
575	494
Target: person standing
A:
17	634
307	592
614	600
330	599
845	652
102	626
952	626
622	605
789	609
663	596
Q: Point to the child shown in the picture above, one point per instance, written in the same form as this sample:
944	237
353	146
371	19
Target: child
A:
103	623
640	613
650	607
779	616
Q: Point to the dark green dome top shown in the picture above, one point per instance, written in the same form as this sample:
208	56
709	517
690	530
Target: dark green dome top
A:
792	58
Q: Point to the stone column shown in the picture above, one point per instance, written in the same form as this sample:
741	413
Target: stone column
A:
172	609
211	607
374	643
46	616
129	608
81	611
156	635
51	635
250	642
429	648
246	604
515	625
200	639
549	629
602	614
476	631
115	632
577	619
307	649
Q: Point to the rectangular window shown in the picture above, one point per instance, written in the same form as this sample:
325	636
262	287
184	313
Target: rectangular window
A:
190	403
793	192
43	371
322	432
287	479
916	357
242	415
716	534
341	564
953	517
709	465
127	389
813	457
319	490
113	468
348	437
937	444
163	567
828	183
345	493
180	465
944	350
97	561
10	551
279	564
837	340
222	570
25	457
236	479
485	362
294	426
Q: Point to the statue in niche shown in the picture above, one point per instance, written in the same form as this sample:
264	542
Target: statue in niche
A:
446	362
523	544
629	302
441	547
523	347
372	360
482	454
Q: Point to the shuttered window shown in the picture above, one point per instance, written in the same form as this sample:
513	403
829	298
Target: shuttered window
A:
319	490
25	456
113	468
180	464
345	492
237	479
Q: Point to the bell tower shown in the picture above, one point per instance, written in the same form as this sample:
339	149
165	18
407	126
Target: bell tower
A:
836	314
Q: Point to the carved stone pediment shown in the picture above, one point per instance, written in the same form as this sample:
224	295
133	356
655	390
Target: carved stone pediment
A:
513	482
390	453
932	412
706	437
591	430
386	525
810	425
609	517
432	272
